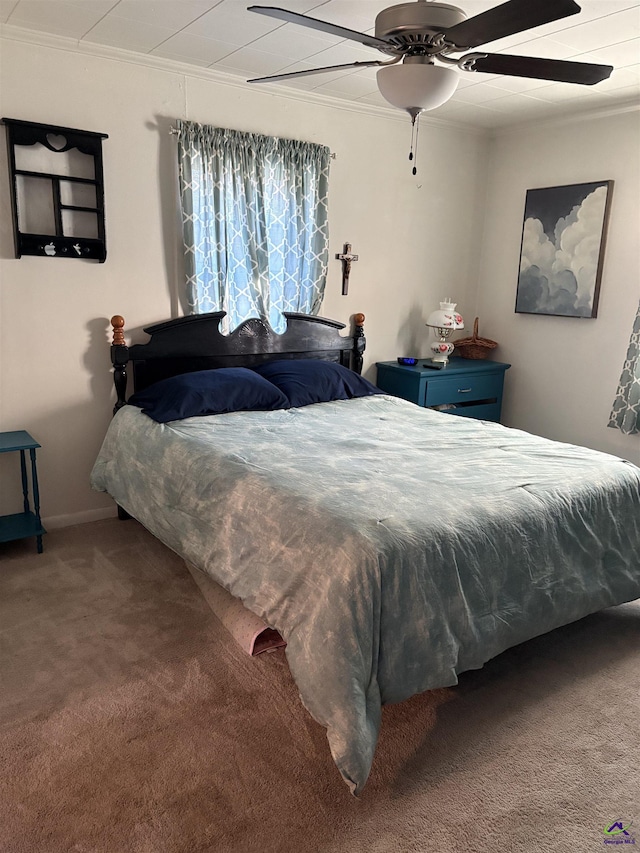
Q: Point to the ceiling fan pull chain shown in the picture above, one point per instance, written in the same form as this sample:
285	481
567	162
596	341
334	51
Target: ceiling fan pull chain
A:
414	171
413	128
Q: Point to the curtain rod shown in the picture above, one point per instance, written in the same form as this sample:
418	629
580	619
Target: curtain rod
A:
174	130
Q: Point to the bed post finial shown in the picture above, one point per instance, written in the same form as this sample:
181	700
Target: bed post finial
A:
118	330
119	359
359	342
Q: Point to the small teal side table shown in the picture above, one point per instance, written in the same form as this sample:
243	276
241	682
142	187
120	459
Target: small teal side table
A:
21	525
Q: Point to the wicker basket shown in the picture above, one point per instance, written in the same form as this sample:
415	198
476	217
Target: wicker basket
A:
474	347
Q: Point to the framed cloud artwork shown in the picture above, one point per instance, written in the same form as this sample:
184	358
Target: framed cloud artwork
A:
562	250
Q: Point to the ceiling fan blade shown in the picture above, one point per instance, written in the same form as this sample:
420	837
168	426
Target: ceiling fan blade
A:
322	26
309	71
511	17
542	69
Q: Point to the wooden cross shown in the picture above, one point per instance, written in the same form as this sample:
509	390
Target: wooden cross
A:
346	257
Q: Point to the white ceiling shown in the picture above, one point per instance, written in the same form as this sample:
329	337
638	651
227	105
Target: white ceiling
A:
222	35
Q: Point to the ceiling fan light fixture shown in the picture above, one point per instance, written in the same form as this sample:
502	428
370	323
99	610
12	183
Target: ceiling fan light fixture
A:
417	85
427	31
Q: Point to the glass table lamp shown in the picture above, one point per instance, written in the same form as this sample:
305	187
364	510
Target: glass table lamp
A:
444	322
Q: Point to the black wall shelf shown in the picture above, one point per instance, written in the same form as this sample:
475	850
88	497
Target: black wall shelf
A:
57	201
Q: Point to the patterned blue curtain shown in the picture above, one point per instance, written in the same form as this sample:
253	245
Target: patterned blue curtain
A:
255	223
625	414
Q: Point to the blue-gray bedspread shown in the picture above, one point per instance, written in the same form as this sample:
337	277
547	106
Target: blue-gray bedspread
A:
393	547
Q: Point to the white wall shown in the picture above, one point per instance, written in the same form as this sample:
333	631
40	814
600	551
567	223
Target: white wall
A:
565	370
417	238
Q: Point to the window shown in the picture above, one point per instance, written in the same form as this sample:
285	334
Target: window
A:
255	225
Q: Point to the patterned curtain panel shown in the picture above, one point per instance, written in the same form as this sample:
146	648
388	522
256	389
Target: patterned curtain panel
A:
255	224
625	414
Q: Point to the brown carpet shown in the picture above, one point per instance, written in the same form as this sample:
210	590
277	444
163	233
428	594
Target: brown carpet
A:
130	722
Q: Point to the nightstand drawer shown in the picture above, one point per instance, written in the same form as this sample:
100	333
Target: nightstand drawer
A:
464	389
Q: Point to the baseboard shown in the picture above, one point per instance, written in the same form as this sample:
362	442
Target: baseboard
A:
53	521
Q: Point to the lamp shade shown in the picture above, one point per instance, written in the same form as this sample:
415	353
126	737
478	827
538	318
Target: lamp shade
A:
417	85
446	317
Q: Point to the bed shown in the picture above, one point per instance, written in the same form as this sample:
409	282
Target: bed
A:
391	546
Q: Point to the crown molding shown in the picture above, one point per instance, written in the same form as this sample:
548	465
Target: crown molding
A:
172	66
614	109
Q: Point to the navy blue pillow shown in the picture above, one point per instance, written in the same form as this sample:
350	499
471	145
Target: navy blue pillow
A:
208	392
306	381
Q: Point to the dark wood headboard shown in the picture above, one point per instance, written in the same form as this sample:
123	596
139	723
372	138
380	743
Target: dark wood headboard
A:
196	343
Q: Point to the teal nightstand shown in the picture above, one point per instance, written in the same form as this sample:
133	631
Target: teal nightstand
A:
23	524
465	386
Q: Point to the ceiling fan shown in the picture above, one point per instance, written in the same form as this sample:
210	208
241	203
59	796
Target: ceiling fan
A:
419	35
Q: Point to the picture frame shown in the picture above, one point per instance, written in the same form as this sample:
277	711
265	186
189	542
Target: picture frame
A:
562	249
